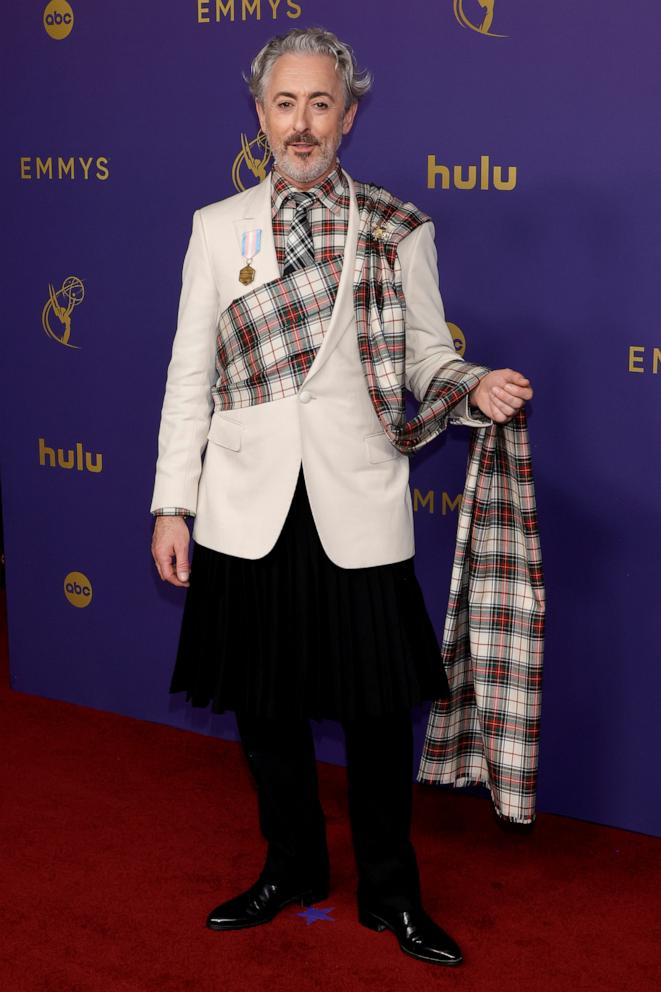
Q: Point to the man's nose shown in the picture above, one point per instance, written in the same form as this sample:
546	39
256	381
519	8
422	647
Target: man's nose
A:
302	118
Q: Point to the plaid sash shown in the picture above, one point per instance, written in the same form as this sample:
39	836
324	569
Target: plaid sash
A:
380	310
488	731
268	339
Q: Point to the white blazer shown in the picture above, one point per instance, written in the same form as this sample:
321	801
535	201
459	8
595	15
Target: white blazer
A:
241	490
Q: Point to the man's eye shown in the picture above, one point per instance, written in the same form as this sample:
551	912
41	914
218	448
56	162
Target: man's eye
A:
284	104
320	105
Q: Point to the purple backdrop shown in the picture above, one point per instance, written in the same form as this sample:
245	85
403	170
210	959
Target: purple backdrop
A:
558	276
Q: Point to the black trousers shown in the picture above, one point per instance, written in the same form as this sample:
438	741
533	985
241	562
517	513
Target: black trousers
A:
379	752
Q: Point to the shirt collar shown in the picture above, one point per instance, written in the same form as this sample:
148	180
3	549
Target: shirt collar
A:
331	192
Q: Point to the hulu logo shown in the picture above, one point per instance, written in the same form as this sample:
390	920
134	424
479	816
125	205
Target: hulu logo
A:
70	458
467	176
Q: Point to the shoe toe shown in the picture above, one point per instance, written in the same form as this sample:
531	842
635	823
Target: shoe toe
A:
261	903
431	943
416	932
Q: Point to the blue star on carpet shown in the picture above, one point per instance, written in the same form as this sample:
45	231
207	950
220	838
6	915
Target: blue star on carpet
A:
312	915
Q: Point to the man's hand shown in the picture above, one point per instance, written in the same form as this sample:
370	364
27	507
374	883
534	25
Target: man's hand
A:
170	541
501	394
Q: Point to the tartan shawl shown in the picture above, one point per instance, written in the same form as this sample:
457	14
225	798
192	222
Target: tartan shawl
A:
487	732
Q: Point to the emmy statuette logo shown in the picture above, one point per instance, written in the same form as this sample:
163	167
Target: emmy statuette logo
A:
78	589
57	310
253	159
481	19
58	19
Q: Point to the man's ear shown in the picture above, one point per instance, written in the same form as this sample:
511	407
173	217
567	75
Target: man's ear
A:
260	113
349	117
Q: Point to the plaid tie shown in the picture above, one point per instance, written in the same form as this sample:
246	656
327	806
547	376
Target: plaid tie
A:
299	250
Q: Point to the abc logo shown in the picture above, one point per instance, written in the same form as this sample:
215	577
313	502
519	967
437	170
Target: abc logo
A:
58	19
458	339
78	589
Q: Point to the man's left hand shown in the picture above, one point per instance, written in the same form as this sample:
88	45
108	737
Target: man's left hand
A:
501	394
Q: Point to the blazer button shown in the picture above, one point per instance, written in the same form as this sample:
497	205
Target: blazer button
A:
305	396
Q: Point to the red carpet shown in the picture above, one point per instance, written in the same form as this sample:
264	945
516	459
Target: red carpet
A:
118	836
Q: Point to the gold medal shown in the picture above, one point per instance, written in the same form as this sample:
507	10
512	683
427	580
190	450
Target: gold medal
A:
246	275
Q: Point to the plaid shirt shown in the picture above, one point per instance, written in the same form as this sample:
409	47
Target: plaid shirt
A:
328	218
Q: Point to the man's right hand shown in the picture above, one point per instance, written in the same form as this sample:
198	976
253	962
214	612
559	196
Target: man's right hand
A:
169	548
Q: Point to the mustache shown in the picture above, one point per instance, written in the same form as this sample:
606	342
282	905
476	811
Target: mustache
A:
304	137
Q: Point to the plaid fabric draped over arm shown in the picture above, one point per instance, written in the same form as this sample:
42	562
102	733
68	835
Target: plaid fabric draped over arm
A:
487	733
380	310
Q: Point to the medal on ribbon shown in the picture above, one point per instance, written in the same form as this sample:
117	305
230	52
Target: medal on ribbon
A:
251	242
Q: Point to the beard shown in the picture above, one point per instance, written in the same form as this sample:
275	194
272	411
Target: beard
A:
308	166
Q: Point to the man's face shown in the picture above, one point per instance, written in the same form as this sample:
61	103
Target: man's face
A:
303	116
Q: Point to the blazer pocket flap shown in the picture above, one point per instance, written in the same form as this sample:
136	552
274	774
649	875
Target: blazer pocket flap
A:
226	433
379	448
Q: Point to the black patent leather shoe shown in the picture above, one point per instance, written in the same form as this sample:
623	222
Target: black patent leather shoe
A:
261	903
416	932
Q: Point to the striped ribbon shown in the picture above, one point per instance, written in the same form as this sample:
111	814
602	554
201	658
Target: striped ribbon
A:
251	242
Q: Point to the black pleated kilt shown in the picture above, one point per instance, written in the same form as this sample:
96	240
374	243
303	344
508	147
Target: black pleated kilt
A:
293	634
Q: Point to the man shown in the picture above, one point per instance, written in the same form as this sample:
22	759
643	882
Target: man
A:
308	304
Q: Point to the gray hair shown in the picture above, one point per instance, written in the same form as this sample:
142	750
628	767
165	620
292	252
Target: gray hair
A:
310	41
